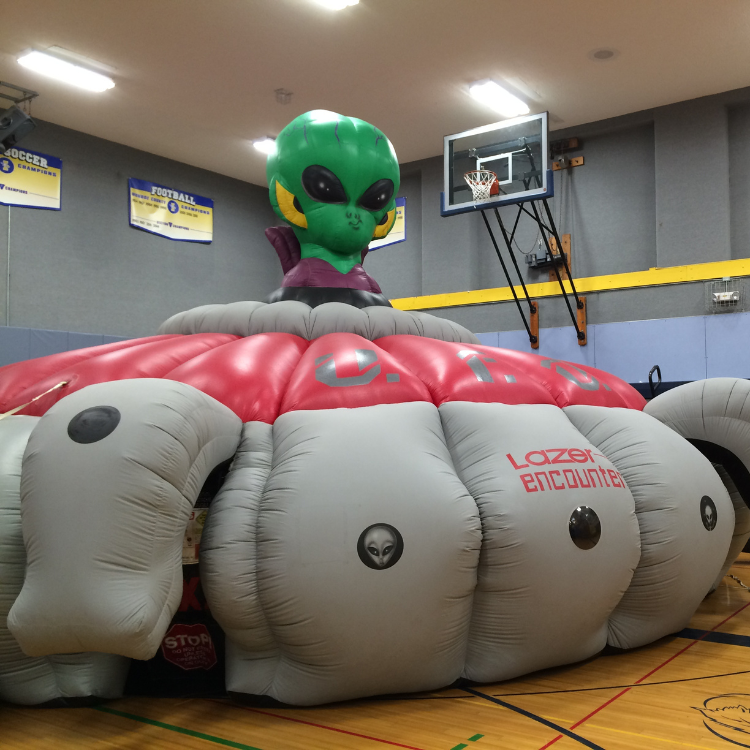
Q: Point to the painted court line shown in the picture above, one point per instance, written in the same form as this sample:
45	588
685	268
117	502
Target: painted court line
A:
731	639
646	676
463	745
641	737
618	687
173	728
320	726
723	738
534	717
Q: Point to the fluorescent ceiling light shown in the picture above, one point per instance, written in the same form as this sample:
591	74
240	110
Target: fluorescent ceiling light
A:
497	98
336	4
265	145
62	70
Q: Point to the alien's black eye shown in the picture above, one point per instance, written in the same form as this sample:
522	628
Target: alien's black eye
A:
377	196
322	185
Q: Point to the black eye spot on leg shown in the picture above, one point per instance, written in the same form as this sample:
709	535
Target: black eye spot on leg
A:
298	205
94	424
585	527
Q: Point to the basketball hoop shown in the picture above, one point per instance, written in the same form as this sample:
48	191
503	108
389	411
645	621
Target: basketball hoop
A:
481	181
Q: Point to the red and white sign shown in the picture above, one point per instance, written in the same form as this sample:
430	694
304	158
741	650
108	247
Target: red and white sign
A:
189	647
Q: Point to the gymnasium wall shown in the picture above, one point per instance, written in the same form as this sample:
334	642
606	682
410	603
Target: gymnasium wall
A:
668	186
662	187
85	270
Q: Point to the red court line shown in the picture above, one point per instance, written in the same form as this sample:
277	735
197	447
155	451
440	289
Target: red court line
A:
646	676
321	726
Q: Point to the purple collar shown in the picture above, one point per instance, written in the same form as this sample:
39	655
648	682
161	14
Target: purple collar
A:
300	271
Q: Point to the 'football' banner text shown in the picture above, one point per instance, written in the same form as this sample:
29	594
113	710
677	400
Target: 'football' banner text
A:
171	213
30	179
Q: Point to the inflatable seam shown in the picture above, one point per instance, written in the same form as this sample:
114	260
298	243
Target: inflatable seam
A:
450	445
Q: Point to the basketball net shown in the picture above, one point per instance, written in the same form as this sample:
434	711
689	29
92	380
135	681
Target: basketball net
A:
480	181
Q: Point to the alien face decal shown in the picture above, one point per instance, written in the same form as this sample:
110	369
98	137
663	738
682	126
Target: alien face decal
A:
334	179
380	546
708	513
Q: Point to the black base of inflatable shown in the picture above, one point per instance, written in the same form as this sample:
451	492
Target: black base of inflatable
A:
86	701
257	701
318	295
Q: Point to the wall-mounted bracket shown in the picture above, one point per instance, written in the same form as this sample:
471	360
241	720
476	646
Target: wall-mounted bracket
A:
567	268
565	163
17	94
581	319
563	145
534	326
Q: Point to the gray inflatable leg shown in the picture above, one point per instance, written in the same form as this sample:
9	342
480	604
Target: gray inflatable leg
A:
715	414
367	547
229	565
109	478
685	515
23	679
741	523
31	680
541	600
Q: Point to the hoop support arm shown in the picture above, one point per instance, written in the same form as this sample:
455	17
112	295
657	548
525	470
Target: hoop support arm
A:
532	338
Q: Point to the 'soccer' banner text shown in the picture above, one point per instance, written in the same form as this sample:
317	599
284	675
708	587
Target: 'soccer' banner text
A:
171	213
398	233
30	179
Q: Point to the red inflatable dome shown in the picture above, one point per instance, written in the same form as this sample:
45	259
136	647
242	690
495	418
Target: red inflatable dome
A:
262	376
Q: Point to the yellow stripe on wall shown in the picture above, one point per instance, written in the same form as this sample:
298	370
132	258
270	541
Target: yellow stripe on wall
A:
652	277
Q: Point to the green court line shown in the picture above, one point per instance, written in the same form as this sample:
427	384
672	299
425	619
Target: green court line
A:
463	745
180	730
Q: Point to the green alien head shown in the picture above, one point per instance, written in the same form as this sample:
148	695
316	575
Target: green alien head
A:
334	179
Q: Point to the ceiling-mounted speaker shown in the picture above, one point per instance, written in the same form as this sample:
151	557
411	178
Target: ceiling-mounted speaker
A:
15	124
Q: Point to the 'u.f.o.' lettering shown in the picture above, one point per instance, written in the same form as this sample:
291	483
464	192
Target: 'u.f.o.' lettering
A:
574	374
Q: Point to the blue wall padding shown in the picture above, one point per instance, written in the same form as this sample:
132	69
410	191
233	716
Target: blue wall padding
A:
14	345
42	343
18	344
677	345
728	346
689	348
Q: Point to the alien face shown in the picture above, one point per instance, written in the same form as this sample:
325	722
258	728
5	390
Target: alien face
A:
380	546
334	179
708	513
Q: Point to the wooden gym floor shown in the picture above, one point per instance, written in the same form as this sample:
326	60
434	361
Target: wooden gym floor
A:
646	699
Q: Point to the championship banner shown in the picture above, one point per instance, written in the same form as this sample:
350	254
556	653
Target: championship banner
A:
30	179
398	233
170	213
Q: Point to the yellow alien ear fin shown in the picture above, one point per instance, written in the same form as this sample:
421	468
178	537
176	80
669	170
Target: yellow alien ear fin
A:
286	200
381	230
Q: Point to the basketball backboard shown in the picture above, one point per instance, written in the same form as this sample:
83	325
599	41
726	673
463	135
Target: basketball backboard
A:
515	150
